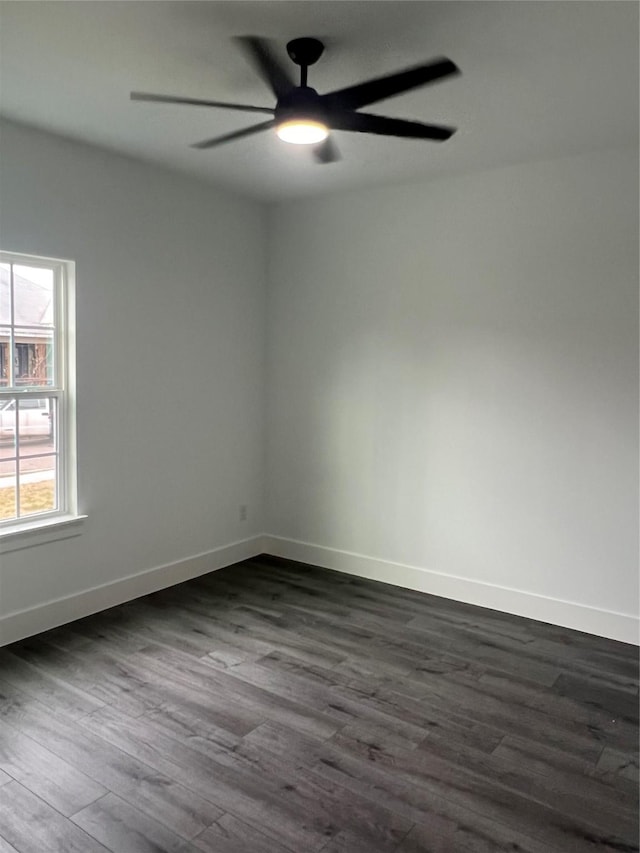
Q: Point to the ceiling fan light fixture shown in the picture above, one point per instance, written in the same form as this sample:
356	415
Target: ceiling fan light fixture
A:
303	117
302	131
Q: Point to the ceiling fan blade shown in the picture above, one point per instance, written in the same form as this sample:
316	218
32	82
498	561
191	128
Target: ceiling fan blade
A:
174	99
260	53
327	151
367	123
354	97
237	134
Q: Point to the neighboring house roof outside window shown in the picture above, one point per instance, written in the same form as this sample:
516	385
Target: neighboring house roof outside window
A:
33	303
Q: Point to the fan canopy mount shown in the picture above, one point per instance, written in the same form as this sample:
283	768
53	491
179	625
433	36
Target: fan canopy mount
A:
301	115
305	51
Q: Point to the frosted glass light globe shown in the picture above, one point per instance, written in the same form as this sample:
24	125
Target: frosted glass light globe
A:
302	131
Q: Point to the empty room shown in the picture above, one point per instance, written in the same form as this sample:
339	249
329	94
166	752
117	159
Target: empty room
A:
319	426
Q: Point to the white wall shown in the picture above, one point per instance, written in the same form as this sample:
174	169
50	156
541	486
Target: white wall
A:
452	377
170	308
453	384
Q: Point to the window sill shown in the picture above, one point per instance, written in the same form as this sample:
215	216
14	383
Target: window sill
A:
40	532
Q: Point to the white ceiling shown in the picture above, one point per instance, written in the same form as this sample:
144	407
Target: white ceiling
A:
539	80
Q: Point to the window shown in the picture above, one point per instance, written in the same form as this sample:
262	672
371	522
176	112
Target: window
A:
37	423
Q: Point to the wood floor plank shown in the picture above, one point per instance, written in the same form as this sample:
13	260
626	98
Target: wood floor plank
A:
490	713
468	801
160	796
45	774
245	780
165	686
97	674
472	781
230	835
124	829
350	842
445	824
250	633
561	702
484	737
441	608
5	847
439	837
340	707
581	798
265	703
473	703
499	652
233	785
58	695
570	772
614	762
32	826
606	701
275	706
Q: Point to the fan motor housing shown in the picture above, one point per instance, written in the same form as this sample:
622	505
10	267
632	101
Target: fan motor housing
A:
301	102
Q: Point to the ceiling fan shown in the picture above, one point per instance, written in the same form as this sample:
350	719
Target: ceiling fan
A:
303	116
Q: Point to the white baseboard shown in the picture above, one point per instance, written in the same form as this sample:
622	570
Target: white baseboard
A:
568	614
592	620
26	623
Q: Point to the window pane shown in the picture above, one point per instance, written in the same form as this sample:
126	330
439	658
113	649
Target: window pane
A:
36	422
33	357
38	460
38	485
33	296
8	421
4	356
5	294
33	307
34	479
7	487
7	459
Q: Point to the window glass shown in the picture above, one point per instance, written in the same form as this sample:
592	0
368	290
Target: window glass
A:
37	485
32	430
5	295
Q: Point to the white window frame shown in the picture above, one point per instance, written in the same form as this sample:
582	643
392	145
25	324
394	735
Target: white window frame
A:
65	521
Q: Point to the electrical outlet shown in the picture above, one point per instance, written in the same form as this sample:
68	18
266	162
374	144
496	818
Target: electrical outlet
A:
243	512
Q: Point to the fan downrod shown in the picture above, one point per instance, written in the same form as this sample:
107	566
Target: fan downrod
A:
305	51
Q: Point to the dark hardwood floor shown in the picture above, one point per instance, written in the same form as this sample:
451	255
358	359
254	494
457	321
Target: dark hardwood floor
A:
278	708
